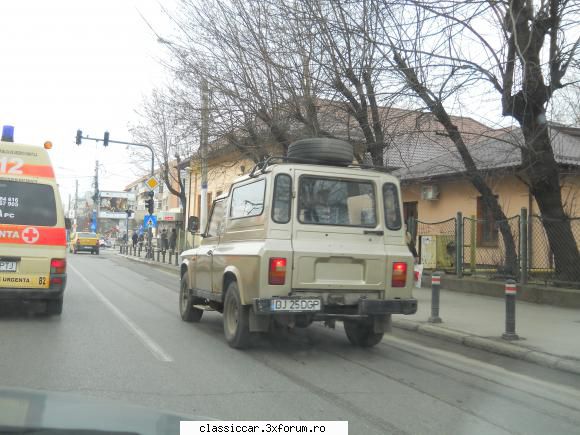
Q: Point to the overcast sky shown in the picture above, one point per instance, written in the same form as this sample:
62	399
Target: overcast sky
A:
70	64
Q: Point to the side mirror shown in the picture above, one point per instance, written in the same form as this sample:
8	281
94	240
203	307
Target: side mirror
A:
193	224
67	223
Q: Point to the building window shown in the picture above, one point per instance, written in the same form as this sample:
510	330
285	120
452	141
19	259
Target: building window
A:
487	233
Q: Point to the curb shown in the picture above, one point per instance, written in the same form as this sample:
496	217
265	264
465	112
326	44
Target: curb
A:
163	266
511	350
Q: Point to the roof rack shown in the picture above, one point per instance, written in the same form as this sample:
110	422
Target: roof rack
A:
263	165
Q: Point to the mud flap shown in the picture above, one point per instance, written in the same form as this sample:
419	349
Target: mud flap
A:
382	324
259	323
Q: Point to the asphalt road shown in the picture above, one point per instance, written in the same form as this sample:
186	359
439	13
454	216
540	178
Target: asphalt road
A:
120	337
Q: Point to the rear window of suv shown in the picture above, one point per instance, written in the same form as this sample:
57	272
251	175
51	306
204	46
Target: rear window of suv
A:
27	204
330	201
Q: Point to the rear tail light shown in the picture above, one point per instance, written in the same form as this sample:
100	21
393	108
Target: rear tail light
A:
399	278
58	265
277	271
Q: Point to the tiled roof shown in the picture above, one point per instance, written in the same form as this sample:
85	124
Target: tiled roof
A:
494	153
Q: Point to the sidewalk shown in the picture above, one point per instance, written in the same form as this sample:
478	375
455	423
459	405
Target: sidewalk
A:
159	265
549	335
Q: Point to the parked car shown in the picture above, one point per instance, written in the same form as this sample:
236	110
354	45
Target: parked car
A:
294	242
105	243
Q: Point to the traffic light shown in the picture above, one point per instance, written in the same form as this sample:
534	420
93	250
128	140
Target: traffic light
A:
79	137
106	139
149	204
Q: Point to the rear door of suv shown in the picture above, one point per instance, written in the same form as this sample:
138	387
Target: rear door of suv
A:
338	234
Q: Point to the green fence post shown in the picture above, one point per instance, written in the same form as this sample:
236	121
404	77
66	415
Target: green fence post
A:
524	246
459	245
472	252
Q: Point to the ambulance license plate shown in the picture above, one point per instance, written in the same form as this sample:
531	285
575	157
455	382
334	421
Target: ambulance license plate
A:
7	266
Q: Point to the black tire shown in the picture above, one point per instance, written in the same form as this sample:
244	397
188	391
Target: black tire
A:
236	318
186	309
361	334
54	307
322	151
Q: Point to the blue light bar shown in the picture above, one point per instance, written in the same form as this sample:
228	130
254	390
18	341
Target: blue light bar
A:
8	133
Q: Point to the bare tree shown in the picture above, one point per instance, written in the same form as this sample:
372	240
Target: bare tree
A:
165	126
519	50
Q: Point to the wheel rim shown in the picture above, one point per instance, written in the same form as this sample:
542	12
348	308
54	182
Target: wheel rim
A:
232	313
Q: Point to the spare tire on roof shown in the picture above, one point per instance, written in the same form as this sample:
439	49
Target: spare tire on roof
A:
321	150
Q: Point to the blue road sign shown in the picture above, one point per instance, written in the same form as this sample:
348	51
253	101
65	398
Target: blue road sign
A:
150	220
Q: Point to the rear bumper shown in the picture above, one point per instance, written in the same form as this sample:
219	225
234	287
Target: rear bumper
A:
364	308
392	306
86	247
18	294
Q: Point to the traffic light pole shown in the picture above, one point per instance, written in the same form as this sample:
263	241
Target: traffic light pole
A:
106	142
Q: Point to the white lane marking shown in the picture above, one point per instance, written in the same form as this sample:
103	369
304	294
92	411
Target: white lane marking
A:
149	343
500	375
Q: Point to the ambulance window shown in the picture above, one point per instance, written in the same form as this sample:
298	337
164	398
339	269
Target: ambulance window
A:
27	204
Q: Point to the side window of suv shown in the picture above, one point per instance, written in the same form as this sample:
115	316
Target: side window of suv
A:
248	200
282	199
216	221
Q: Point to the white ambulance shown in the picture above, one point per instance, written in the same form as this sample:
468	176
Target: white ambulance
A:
32	228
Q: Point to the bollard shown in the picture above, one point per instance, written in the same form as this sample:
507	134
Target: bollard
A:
158	252
176	259
120	249
170	256
139	251
435	287
163	255
510	311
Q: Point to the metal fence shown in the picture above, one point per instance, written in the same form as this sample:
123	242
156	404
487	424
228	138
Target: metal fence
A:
470	246
484	247
541	262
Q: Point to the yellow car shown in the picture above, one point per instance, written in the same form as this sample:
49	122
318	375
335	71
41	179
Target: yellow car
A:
84	242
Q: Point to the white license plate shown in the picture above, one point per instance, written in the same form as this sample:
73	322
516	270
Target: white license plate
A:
7	266
295	305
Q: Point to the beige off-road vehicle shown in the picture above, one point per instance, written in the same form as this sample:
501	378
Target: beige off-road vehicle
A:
309	237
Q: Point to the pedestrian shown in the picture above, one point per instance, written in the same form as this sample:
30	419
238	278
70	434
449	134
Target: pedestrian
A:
173	240
164	241
134	237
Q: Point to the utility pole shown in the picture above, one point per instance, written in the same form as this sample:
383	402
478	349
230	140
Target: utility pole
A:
76	203
96	197
203	148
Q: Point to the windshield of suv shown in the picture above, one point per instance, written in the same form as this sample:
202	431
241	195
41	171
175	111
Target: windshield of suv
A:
330	201
27	204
